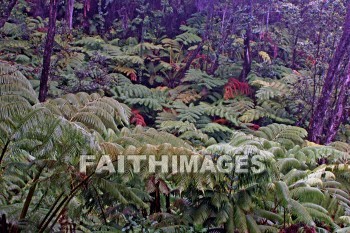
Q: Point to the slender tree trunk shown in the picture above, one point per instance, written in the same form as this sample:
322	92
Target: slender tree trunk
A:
180	74
3	224
247	57
30	195
4	150
61	205
70	10
339	110
268	16
294	56
322	111
155	203
50	210
101	206
247	62
87	6
167	203
48	51
7	13
284	218
319	38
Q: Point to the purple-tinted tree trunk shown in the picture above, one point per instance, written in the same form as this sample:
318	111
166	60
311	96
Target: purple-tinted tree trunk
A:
323	108
247	63
48	51
247	57
339	110
7	13
70	10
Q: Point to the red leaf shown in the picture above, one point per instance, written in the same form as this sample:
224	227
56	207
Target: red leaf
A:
136	118
234	88
254	127
221	121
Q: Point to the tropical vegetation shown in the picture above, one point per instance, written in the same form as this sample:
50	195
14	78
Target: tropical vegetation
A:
205	78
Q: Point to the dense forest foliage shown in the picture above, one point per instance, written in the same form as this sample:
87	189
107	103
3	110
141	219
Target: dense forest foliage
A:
206	79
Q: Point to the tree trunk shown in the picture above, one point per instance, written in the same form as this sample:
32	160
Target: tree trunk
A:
87	6
3	224
167	203
155	203
70	10
339	110
7	13
48	51
30	195
247	57
294	56
322	111
247	63
181	73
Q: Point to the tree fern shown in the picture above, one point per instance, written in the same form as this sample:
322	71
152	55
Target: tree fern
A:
202	79
93	111
286	135
140	96
12	82
269	90
188	38
301	213
260	112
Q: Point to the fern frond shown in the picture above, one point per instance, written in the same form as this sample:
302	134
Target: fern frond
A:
12	82
301	213
282	133
188	38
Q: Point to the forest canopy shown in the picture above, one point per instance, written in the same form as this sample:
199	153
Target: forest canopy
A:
243	104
